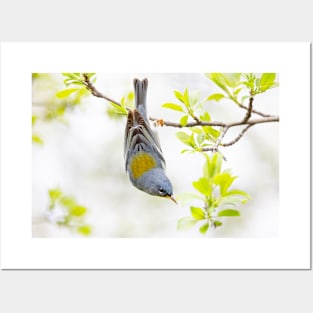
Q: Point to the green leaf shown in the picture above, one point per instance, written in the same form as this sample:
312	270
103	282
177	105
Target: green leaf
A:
183	137
34	119
212	134
213	165
216	224
130	96
59	111
216	97
66	92
178	95
37	139
89	75
69	75
186	223
219	80
173	106
194	98
186	139
68	202
54	194
238	192
230	200
228	212
77	96
76	75
184	120
249	81
224	180
204	228
203	186
232	79
217	161
85	230
200	139
234	196
197	213
205	117
236	92
119	109
186	99
196	130
126	102
267	80
187	150
192	140
206	167
68	82
78	210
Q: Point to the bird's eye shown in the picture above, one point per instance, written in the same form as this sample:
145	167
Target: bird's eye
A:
162	192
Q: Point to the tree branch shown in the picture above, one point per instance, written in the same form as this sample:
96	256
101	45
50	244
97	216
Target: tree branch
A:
218	142
271	118
237	138
267	118
95	92
249	111
253	110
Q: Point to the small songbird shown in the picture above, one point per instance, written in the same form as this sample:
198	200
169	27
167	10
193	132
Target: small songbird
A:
144	159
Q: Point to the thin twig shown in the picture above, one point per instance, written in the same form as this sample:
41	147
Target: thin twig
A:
214	150
249	111
237	138
253	110
218	142
95	92
190	124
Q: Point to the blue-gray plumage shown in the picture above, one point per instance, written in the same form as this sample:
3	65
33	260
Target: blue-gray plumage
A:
144	159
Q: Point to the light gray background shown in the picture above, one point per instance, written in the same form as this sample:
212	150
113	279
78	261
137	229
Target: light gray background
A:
156	291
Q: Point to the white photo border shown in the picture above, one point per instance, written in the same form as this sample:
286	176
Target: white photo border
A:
291	250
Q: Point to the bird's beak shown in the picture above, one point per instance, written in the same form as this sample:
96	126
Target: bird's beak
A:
171	197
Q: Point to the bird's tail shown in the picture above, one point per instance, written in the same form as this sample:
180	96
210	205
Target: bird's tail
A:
140	87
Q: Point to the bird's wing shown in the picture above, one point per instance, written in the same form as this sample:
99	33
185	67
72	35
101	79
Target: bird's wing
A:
140	137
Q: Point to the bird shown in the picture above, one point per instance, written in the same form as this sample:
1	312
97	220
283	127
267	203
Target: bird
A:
144	160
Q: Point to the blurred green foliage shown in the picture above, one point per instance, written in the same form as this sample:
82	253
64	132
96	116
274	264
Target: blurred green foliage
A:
64	211
240	86
36	138
126	102
70	97
57	104
77	88
216	198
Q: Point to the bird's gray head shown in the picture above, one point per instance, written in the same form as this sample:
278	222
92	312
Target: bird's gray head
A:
156	183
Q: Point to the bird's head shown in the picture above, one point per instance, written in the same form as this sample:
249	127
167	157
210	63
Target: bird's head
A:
156	183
